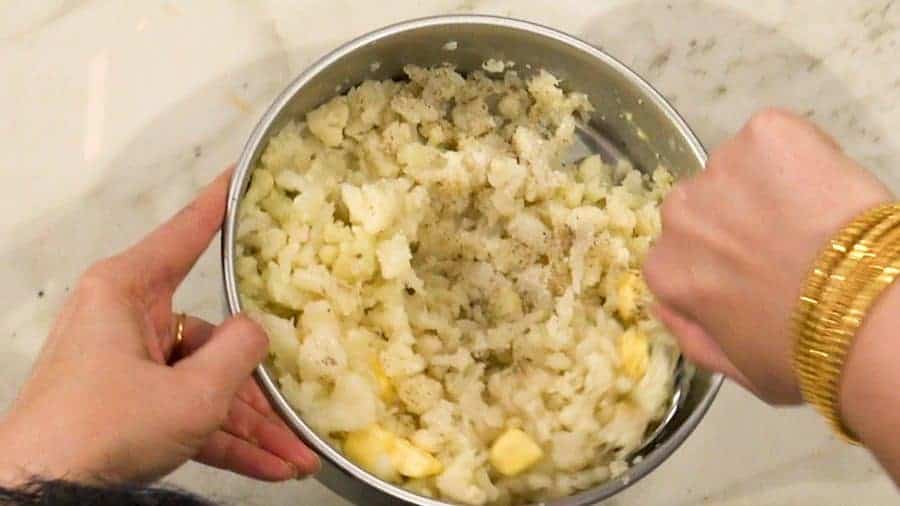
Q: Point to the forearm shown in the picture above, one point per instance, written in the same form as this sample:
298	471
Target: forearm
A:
870	385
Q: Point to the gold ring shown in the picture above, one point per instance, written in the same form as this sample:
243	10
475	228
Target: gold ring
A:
179	330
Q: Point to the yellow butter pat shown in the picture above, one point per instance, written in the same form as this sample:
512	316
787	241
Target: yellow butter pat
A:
513	452
370	448
385	387
629	291
412	461
384	454
634	353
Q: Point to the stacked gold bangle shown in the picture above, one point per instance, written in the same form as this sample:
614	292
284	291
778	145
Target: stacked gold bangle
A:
858	264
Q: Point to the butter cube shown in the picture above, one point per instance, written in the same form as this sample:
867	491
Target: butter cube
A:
629	292
513	452
634	353
385	387
384	454
371	448
413	462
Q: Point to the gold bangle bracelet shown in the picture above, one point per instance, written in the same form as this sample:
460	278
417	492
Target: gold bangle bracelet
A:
836	250
844	281
835	300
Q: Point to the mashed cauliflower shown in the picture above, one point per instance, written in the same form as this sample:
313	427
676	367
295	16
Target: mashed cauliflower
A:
448	302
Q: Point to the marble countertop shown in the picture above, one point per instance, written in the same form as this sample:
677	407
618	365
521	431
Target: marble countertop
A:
114	113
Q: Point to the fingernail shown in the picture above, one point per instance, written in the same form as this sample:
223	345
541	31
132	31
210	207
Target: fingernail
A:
314	464
295	473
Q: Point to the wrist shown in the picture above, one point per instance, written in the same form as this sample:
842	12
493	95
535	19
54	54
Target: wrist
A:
870	379
13	472
30	449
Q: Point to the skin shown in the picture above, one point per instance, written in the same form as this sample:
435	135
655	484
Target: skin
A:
737	244
109	400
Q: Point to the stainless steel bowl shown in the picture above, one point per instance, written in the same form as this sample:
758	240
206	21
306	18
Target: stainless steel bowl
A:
631	119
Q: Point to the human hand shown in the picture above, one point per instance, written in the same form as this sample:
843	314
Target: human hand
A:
102	405
740	238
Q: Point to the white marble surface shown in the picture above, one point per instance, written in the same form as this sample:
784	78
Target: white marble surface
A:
113	113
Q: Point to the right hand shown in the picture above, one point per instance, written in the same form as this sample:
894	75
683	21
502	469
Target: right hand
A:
738	242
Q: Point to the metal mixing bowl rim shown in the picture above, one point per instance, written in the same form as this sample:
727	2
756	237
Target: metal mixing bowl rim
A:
600	492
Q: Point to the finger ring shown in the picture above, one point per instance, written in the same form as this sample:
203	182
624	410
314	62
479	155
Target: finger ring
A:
179	330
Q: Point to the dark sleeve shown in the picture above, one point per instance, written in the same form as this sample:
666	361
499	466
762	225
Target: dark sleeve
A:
64	493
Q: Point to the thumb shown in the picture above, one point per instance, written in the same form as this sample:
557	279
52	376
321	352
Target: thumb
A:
236	347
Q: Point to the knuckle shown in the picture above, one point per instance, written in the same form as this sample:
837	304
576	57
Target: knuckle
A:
718	161
692	354
246	427
98	278
247	327
663	281
99	270
702	287
771	119
673	210
111	275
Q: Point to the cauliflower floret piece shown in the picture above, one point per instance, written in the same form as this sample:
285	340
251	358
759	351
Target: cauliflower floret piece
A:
529	229
399	360
572	450
247	269
512	105
653	391
419	160
283	339
414	110
352	404
544	87
327	121
290	149
621	216
367	103
317	279
506	304
271	242
419	393
626	429
280	289
393	256
260	187
473	117
356	258
457	480
373	206
321	353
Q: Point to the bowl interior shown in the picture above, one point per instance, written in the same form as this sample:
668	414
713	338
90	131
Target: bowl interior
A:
631	119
